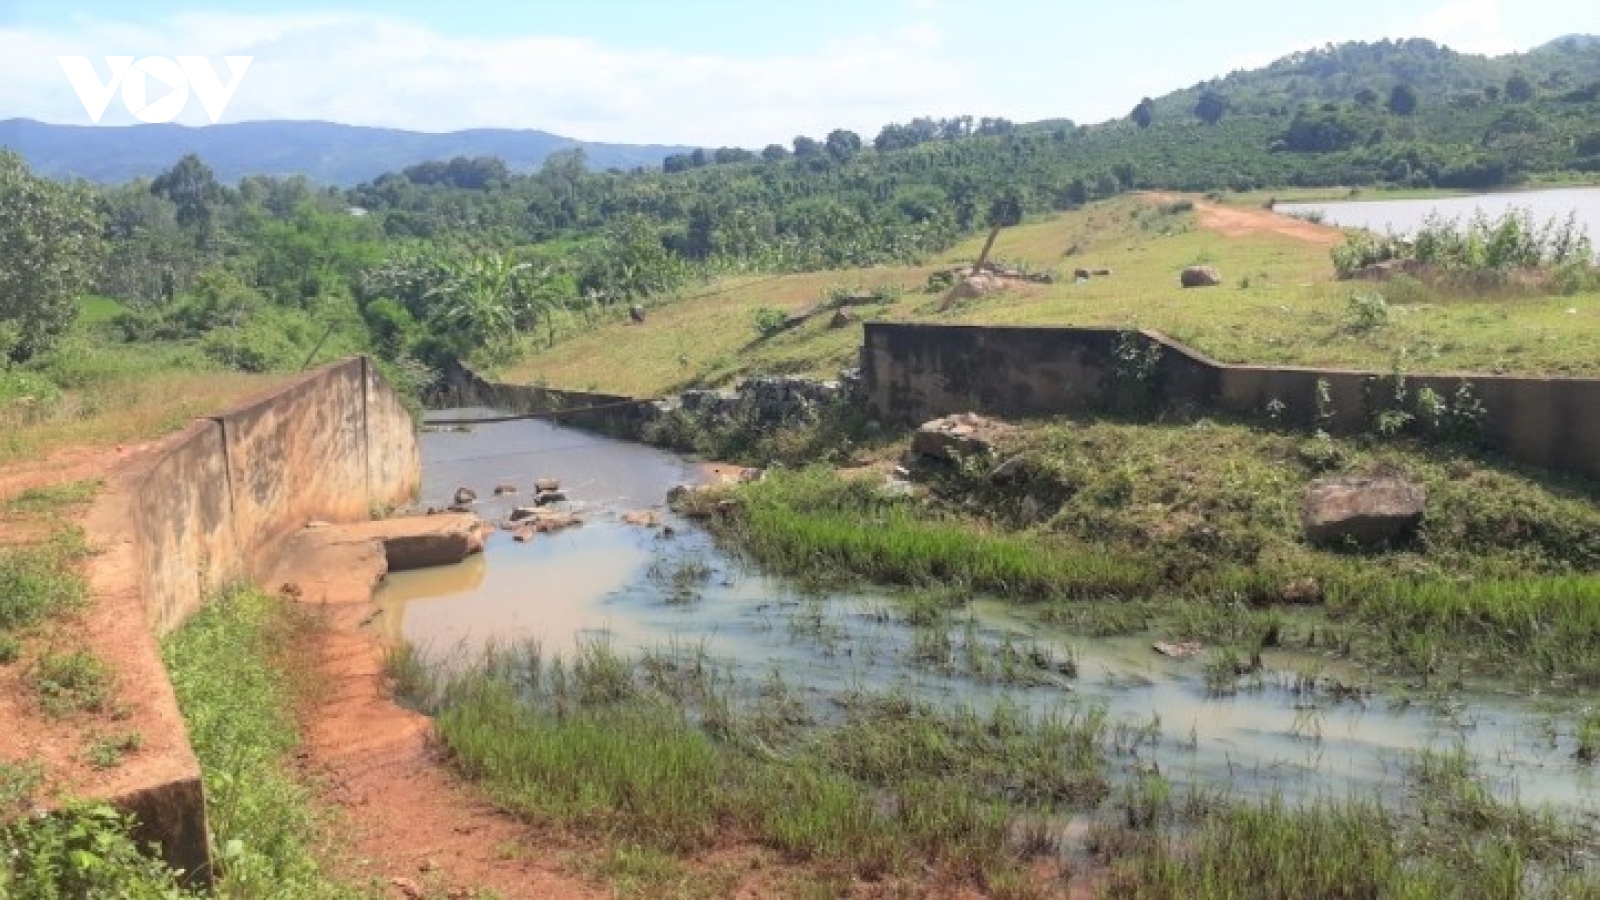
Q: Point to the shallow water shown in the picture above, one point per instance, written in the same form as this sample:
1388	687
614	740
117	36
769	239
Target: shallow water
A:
641	590
1404	217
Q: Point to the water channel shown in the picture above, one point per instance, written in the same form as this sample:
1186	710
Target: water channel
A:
613	581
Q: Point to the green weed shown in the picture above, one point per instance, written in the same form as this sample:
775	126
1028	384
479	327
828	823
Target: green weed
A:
229	666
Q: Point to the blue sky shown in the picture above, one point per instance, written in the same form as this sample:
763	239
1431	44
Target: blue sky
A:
716	72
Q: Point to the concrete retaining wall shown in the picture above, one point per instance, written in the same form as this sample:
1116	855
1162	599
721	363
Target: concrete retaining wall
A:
611	414
911	373
211	506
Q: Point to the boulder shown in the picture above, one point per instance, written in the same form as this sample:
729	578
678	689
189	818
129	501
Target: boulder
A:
541	522
1081	274
1101	273
501	490
843	318
1200	276
1369	511
1388	269
465	495
960	436
545	498
547	484
975	286
644	518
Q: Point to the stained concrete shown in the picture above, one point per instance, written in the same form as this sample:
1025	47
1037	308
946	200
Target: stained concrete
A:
912	373
211	506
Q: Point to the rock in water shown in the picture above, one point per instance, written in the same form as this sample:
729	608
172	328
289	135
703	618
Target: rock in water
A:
544	485
465	495
1370	511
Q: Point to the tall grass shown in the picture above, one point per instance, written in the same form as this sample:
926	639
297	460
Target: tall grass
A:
230	667
656	753
813	525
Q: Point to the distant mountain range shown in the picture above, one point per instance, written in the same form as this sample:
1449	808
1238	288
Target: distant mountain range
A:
324	152
345	155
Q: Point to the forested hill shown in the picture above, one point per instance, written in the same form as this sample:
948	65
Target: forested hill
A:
324	152
1362	72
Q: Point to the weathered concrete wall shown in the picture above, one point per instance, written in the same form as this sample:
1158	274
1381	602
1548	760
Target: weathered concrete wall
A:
214	505
297	455
611	414
911	373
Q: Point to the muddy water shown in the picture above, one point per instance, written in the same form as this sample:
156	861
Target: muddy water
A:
641	589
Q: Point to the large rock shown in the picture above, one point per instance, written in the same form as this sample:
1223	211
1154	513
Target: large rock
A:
417	542
1200	276
972	287
1368	511
961	436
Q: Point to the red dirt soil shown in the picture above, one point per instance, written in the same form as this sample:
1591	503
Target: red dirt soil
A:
110	627
1241	221
409	822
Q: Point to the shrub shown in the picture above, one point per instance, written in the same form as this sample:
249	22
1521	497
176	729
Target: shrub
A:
1366	311
770	321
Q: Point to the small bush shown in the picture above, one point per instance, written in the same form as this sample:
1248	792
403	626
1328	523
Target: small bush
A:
82	851
769	321
1366	311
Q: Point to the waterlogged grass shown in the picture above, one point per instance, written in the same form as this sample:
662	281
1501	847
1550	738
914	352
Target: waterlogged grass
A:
1550	624
231	668
1456	839
815	526
1193	530
658	754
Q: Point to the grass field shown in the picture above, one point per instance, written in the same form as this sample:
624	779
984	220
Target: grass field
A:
1278	304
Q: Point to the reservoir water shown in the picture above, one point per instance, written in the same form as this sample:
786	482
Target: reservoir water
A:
643	588
1404	217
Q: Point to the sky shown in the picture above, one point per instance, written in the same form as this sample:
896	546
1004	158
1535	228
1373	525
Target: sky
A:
717	72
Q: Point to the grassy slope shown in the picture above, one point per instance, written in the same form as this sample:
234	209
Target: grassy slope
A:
1291	312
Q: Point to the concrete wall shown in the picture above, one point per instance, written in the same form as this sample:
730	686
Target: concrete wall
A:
211	506
611	414
911	373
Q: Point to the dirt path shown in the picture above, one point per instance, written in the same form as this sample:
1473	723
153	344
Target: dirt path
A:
409	823
1242	221
58	744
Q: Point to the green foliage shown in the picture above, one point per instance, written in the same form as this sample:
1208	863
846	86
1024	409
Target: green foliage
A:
49	246
770	322
1366	311
229	668
82	851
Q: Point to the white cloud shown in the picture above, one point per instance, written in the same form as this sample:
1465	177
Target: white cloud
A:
1470	26
374	70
